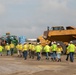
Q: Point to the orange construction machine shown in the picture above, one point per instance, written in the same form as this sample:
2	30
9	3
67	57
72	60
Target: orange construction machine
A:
60	35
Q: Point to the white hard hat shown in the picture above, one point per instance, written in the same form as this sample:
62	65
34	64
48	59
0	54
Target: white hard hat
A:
38	43
58	43
54	42
68	44
7	43
71	41
24	42
51	42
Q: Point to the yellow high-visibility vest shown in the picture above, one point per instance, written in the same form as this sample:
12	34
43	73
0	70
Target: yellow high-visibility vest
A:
54	47
59	49
71	48
1	48
17	47
12	46
33	47
7	47
38	48
25	47
47	48
30	46
20	47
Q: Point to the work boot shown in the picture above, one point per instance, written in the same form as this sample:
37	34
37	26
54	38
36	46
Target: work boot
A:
47	58
55	59
52	59
25	58
60	60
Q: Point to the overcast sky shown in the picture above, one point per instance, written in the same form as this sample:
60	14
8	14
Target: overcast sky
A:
31	17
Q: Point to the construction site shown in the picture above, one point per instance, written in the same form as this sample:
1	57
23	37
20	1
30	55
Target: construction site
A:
18	66
37	37
14	65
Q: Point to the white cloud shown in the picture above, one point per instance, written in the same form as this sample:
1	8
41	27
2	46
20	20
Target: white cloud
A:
2	9
35	15
13	1
53	4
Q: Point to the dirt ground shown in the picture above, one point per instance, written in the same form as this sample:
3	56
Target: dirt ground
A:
13	65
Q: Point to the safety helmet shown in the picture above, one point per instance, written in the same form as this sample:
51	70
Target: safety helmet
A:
58	44
54	42
71	41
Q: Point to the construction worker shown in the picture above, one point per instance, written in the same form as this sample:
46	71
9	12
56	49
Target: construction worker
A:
71	48
47	50
38	49
7	48
25	50
17	47
59	51
67	52
1	49
51	53
12	48
54	49
20	49
33	51
30	49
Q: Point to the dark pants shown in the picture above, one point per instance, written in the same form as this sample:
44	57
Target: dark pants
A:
8	52
67	57
20	53
38	56
25	53
51	54
29	53
12	51
71	56
32	54
47	55
54	55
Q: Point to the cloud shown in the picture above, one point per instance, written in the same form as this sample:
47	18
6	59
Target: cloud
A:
2	9
13	1
56	12
31	17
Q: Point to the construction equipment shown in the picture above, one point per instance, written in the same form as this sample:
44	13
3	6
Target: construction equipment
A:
42	40
60	35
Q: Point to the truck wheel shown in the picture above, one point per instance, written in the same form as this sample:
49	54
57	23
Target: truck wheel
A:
63	46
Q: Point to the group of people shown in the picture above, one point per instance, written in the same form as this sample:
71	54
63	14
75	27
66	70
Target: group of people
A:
54	51
9	49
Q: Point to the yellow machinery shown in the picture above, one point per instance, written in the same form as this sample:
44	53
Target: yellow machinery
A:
61	35
43	40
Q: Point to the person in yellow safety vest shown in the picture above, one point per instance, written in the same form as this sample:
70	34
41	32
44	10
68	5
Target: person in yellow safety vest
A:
67	52
54	49
7	48
17	47
30	48
71	48
25	50
59	51
51	53
12	46
47	50
1	49
33	51
38	50
20	49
